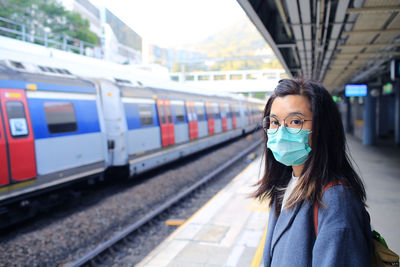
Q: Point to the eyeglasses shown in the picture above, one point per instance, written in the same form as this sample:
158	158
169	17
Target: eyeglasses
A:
292	123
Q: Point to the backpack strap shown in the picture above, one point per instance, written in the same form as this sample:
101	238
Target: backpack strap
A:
316	205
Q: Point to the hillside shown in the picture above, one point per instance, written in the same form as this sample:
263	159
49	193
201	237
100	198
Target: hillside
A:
240	39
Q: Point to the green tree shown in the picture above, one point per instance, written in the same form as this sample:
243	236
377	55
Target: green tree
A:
47	15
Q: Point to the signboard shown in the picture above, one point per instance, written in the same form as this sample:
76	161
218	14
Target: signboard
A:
18	127
355	90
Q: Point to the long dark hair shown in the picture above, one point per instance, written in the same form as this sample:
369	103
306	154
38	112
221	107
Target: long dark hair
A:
328	160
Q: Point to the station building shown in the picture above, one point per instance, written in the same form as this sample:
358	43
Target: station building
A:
119	43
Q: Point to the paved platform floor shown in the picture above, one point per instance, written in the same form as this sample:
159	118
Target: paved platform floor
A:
225	232
379	167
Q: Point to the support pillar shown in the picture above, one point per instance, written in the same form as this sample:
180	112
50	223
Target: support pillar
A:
382	116
348	124
397	112
369	134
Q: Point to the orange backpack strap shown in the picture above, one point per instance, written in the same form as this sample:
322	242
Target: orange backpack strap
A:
316	205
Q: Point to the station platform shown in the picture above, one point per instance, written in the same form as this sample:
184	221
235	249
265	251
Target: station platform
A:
230	229
379	168
227	231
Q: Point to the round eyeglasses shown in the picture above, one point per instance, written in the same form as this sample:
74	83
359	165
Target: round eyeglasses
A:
292	123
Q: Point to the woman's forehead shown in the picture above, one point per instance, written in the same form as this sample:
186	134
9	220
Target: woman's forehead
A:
282	106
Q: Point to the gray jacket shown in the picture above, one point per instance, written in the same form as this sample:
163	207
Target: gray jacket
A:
344	233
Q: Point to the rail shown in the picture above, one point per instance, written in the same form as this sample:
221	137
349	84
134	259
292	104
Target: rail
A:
12	29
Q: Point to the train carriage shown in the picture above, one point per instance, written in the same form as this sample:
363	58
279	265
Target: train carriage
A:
51	131
59	126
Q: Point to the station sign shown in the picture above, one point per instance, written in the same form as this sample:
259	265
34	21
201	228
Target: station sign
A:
355	90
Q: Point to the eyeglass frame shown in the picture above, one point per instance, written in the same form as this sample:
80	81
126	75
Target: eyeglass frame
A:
284	123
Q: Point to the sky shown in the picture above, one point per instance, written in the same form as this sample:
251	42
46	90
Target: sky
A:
172	23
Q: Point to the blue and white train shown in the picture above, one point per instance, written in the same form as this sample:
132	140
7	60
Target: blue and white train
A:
59	126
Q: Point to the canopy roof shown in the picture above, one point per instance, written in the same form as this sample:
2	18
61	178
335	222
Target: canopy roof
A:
336	42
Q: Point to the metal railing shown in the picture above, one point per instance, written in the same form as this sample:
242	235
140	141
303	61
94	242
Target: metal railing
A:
12	29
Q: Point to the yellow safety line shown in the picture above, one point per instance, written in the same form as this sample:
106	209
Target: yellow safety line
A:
259	252
175	222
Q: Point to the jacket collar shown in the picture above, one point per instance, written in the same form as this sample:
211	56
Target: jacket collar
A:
283	222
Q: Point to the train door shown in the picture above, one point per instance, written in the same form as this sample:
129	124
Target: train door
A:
4	178
195	122
17	149
115	124
224	117
162	117
210	119
192	119
166	122
233	113
171	131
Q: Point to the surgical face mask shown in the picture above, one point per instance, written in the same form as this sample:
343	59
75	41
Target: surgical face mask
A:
289	149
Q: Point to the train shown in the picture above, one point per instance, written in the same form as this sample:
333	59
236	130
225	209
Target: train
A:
59	125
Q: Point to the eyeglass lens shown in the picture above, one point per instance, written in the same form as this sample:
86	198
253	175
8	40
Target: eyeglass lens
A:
293	124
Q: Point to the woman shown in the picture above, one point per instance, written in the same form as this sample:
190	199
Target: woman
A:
306	155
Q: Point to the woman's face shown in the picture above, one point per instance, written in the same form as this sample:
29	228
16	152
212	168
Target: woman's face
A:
297	105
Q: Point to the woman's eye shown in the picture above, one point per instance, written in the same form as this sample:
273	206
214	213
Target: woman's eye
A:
274	122
295	122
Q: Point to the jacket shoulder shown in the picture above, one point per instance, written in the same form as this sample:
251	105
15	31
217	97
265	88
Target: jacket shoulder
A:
341	209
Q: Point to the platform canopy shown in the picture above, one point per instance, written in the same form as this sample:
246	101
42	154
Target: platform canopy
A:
336	42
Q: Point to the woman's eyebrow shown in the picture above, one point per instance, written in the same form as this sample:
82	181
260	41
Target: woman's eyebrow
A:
296	113
291	113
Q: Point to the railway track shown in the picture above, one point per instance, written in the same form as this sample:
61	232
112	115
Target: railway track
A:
95	256
83	227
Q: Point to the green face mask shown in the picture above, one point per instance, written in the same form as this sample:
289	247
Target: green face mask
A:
289	149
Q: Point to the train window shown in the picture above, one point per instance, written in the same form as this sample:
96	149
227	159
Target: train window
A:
161	113
169	114
60	117
216	112
200	112
209	111
203	77
251	76
235	77
17	118
145	114
269	75
219	77
223	111
229	113
189	78
179	113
